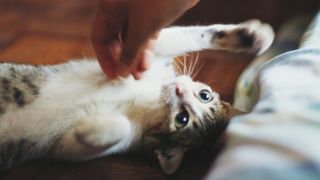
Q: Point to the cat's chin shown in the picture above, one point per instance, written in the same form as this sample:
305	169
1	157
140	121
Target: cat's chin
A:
228	111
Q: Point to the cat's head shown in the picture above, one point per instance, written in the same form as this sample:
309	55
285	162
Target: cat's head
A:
193	115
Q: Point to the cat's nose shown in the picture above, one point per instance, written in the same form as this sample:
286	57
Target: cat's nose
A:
179	90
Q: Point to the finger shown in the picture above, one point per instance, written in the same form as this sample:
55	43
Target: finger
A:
136	69
141	61
137	75
106	42
144	59
193	3
159	13
150	20
143	65
106	55
122	70
107	68
155	35
147	57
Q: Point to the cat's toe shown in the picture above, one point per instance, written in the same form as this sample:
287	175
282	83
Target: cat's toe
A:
256	36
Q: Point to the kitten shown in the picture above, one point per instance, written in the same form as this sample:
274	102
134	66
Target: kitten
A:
73	112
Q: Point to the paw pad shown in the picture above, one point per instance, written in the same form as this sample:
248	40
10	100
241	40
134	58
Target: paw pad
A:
246	39
220	34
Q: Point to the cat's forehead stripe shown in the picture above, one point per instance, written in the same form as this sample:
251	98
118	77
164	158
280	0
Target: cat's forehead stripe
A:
207	119
195	125
199	123
212	110
12	72
19	97
34	89
6	89
19	85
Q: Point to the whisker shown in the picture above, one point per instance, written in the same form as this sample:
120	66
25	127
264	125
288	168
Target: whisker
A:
190	65
179	61
177	66
194	64
197	72
84	57
184	65
211	82
179	70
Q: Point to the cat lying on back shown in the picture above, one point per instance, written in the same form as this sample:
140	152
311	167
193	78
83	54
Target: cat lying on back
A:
73	112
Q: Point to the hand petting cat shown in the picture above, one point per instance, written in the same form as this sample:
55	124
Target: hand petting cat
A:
124	31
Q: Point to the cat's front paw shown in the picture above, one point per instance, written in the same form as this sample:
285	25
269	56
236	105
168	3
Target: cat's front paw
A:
261	33
252	36
102	132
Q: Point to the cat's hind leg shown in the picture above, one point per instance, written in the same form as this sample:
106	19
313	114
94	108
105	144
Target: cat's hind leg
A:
103	131
251	36
93	137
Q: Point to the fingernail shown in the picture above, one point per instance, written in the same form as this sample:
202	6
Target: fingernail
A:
137	75
193	3
144	61
155	35
152	44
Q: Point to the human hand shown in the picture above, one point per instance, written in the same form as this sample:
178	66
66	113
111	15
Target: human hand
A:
124	30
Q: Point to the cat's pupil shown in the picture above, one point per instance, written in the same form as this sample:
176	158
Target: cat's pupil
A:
182	119
205	96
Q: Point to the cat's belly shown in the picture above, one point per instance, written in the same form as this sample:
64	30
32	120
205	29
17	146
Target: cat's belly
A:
49	117
60	103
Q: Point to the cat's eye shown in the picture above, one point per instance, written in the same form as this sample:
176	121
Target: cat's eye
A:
182	119
205	96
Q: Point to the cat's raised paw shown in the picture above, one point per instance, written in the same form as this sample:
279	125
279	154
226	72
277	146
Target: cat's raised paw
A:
252	36
261	33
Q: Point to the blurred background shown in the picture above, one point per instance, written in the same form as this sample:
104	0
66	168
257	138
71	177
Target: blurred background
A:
53	31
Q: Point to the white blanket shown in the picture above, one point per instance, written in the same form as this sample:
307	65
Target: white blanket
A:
280	137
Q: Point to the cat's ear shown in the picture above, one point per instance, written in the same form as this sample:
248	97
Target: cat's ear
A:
230	111
170	159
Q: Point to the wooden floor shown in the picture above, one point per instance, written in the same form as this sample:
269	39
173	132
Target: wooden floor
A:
53	31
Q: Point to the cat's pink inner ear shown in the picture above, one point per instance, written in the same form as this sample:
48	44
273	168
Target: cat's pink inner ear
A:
170	160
